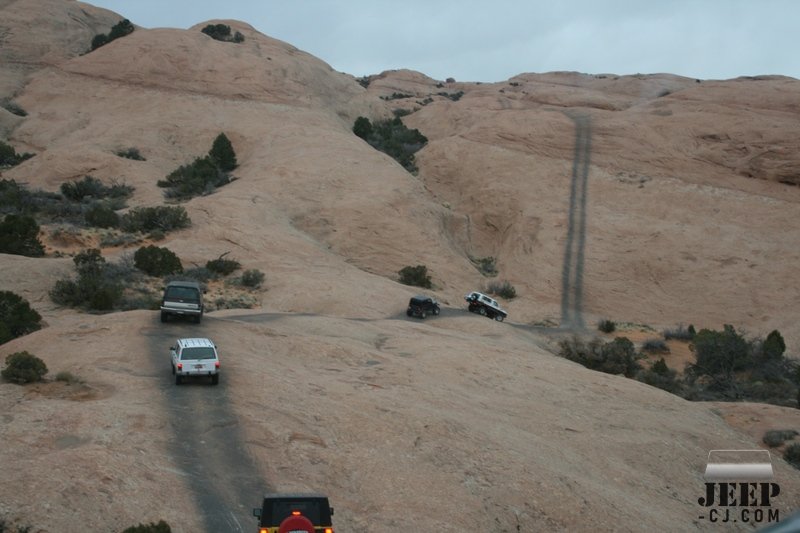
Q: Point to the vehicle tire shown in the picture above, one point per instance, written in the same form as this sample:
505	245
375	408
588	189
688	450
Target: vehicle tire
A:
215	379
423	314
178	379
482	311
408	312
436	311
173	369
499	317
164	316
197	318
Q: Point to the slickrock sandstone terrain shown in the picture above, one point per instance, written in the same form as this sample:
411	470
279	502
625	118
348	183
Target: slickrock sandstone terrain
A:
686	198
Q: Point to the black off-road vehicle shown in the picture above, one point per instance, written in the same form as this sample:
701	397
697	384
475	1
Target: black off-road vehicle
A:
294	512
422	306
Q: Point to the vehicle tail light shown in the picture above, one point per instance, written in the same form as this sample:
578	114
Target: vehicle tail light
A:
295	513
263	530
180	366
216	364
328	530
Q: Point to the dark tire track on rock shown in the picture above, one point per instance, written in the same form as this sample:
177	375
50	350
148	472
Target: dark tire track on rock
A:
207	447
574	249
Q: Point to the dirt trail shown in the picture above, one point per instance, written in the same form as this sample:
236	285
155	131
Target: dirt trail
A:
572	273
207	445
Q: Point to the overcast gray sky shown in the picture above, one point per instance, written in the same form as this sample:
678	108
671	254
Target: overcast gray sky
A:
487	41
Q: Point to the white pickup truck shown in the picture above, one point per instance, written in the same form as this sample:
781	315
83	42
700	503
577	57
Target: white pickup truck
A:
483	305
194	357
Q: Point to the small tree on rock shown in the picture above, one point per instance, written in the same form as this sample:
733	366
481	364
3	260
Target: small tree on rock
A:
19	235
157	261
22	367
222	153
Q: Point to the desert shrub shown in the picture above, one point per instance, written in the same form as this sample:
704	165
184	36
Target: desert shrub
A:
485	265
776	437
162	217
131	153
452	96
655	346
9	157
362	128
160	527
113	238
200	177
607	326
157	261
140	300
235	301
101	216
364	81
90	187
200	274
222	32
222	154
98	286
17	318
223	266
396	96
401	112
22	367
504	289
78	190
393	138
774	346
720	353
792	454
120	29
13	108
17	199
680	332
730	366
615	357
18	528
13	197
19	235
416	276
101	39
252	278
756	390
661	376
67	377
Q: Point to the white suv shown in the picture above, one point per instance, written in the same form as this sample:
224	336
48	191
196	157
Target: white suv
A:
195	357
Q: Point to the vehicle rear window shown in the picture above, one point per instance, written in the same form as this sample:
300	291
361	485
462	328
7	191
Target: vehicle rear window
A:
200	352
281	509
181	293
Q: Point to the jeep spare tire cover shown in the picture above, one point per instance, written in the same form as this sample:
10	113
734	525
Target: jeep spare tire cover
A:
296	524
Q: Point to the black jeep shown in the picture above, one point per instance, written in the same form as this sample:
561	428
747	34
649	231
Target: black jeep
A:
422	306
296	512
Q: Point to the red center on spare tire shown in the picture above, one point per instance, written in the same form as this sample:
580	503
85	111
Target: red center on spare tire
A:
296	524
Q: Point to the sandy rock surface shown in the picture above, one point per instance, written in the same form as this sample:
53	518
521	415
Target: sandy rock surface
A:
453	423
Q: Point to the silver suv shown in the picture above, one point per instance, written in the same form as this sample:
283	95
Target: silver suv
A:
182	298
194	357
